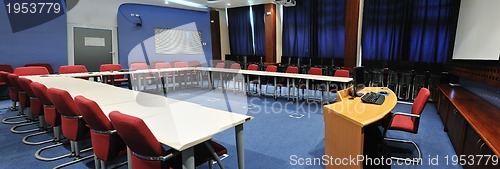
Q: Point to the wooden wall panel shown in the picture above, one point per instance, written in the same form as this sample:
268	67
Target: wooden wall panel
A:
351	33
270	33
484	71
215	31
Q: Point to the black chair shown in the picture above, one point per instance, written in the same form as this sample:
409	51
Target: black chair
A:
286	60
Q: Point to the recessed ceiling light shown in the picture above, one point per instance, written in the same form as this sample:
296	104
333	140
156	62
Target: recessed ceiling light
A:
166	2
228	4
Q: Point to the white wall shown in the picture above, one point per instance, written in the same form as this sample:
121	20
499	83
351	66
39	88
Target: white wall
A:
478	30
224	34
101	14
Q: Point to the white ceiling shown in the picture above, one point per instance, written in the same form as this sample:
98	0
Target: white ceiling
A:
215	4
237	3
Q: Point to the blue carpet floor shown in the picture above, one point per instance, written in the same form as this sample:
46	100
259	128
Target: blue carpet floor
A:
272	139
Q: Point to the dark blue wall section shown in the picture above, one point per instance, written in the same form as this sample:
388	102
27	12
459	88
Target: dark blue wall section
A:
136	43
488	93
24	38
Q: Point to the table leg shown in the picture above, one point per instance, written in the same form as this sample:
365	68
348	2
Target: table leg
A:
240	148
247	85
327	92
112	80
210	81
307	90
188	158
221	81
275	88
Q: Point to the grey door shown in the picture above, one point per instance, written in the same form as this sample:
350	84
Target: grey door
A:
92	47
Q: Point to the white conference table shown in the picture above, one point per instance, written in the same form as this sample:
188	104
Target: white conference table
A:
275	75
178	124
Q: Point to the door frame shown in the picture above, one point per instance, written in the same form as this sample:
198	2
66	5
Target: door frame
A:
71	41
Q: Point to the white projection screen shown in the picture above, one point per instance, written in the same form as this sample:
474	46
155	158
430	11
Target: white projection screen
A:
478	30
177	41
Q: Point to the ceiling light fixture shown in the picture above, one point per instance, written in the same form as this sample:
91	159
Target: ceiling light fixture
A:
188	3
228	4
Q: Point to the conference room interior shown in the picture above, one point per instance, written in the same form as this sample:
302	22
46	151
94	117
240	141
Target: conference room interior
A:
250	84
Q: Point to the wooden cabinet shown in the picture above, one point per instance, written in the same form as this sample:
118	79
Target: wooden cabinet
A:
443	107
474	145
456	126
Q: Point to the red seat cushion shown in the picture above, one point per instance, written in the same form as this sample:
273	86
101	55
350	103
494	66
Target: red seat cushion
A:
403	123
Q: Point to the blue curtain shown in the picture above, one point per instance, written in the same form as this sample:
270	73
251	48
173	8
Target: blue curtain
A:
410	30
314	29
259	29
330	28
240	31
297	29
433	30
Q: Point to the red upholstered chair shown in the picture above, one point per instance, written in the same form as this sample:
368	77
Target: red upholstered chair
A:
106	143
12	91
117	79
254	79
312	84
270	80
409	122
52	117
341	73
182	74
73	125
143	77
282	82
6	69
195	74
21	94
36	110
165	75
339	86
45	65
237	78
144	145
73	69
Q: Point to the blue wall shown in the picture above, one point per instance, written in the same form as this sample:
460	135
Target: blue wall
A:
45	43
136	44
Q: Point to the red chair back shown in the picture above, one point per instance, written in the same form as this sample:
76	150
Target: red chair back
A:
235	66
139	66
420	101
106	146
271	68
163	65
110	67
180	64
73	126
341	73
194	63
292	69
3	78
139	138
253	67
220	65
6	68
33	70
12	90
35	105
21	94
52	117
72	69
315	71
45	65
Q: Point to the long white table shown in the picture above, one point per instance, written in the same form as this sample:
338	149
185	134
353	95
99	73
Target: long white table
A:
177	124
275	75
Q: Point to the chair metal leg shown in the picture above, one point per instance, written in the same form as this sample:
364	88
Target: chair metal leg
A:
415	160
214	155
25	138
